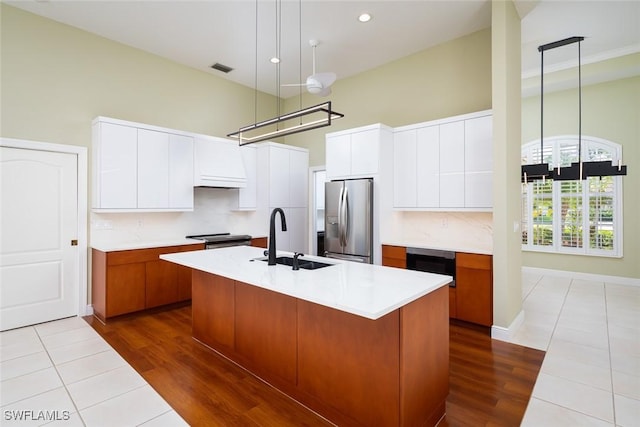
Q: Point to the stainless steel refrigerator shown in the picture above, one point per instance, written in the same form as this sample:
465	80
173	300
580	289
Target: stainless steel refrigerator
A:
348	220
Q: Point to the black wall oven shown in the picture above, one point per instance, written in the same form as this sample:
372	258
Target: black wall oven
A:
432	261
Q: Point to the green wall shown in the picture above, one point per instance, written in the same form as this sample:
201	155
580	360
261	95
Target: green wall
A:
446	80
55	79
610	111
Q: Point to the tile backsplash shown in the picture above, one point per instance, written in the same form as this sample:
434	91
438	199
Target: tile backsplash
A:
462	231
213	213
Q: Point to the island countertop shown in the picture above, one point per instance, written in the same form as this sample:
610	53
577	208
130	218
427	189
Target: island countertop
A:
366	290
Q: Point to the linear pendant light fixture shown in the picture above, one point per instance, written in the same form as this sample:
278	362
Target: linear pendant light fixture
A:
319	115
578	170
305	119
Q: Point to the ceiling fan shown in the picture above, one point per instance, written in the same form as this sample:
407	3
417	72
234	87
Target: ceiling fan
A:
317	83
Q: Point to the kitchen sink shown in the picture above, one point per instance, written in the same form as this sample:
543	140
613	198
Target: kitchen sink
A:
302	263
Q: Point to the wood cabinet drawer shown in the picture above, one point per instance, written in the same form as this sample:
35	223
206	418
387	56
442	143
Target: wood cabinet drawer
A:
476	261
259	242
399	252
394	256
149	254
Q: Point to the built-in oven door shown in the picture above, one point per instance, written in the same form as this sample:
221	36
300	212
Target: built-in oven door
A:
432	261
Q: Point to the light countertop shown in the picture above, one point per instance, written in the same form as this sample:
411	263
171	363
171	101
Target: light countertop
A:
125	246
365	290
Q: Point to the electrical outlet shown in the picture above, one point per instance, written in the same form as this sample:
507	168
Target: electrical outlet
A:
103	225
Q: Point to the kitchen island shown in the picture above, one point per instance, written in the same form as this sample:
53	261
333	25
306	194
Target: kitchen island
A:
360	344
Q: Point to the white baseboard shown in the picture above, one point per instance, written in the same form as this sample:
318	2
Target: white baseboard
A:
506	334
583	276
88	310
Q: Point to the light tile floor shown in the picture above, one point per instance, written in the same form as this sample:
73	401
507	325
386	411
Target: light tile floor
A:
591	333
64	373
590	375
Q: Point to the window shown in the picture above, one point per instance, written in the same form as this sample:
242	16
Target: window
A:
575	217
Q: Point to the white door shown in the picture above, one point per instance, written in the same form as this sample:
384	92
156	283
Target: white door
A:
38	224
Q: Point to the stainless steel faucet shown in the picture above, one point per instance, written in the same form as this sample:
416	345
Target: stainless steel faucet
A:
272	233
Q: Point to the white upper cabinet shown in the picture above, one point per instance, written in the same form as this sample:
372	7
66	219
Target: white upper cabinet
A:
115	166
478	160
181	171
405	166
282	182
354	153
478	147
279	177
445	164
338	155
218	163
427	158
140	167
452	147
153	168
298	178
247	196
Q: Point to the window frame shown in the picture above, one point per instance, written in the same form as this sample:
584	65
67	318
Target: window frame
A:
553	147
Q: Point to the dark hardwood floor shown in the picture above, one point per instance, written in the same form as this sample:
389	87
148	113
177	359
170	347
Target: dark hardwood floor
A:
490	381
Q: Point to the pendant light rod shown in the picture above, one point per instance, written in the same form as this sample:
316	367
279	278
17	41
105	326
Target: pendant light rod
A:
560	43
541	106
309	118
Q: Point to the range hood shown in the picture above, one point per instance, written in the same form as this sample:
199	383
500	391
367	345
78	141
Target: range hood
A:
218	163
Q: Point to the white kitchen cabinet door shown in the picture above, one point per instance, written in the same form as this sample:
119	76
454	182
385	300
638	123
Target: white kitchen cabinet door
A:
298	178
296	230
478	190
478	144
452	147
116	166
428	167
338	156
248	196
218	163
279	177
452	190
153	169
180	172
405	178
365	152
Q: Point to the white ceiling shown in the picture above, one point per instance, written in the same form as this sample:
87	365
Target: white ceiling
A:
200	33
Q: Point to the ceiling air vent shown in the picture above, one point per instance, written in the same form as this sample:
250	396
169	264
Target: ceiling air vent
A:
221	67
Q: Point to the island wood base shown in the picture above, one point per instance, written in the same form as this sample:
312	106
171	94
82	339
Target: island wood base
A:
393	371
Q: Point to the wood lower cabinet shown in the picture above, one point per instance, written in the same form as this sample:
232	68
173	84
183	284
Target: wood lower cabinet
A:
453	312
126	284
161	283
474	288
394	256
393	371
128	281
471	299
266	331
213	311
259	242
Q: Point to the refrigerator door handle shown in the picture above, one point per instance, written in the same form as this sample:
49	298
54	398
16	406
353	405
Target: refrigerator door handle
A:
340	201
345	217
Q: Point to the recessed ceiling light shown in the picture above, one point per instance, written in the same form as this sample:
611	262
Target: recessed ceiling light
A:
365	17
275	60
